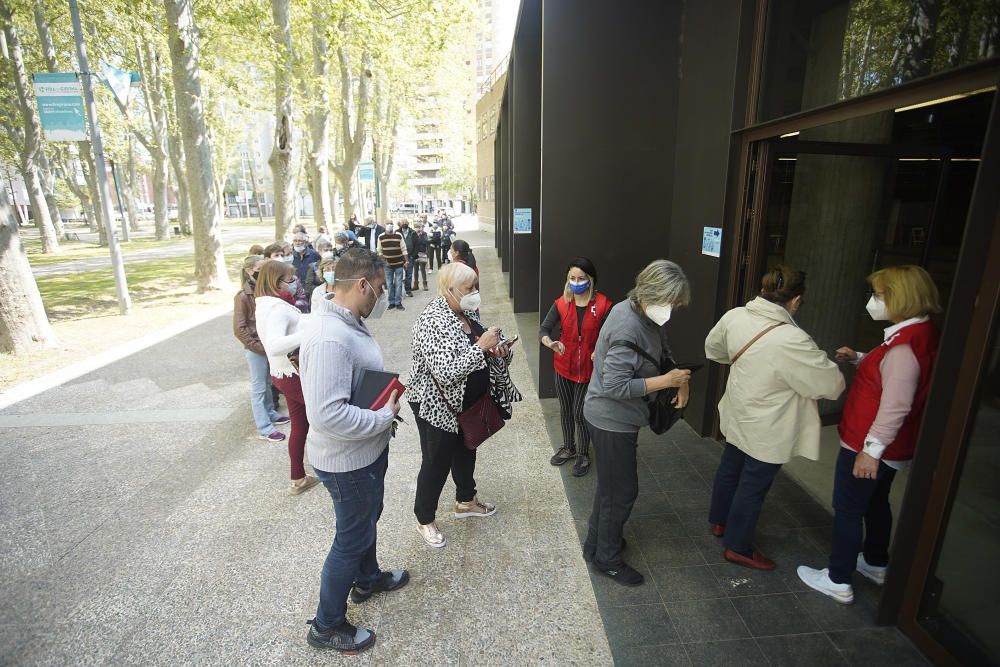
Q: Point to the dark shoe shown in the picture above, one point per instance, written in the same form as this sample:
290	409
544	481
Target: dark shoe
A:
409	294
389	581
624	574
756	560
399	306
564	454
582	465
718	529
391	306
345	638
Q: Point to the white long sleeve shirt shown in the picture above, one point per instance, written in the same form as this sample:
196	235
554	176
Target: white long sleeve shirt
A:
278	324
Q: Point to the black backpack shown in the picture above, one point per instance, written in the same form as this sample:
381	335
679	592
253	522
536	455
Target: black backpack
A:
662	412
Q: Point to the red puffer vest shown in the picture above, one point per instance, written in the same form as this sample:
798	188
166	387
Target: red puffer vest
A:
861	406
575	364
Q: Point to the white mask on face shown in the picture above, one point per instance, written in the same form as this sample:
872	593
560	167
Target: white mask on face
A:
876	308
381	305
287	259
470	301
328	254
659	314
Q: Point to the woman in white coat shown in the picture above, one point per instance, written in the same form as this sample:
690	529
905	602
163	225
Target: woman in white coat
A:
768	413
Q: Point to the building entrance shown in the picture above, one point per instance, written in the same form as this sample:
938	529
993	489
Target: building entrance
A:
840	201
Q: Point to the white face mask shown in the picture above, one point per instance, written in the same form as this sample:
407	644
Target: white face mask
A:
287	259
876	308
659	314
328	254
470	301
381	305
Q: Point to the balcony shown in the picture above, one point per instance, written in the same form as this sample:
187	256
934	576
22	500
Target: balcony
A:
417	182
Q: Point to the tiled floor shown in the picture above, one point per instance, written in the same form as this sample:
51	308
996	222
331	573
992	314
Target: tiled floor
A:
695	608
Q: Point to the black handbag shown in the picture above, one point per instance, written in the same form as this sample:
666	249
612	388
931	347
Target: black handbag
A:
663	414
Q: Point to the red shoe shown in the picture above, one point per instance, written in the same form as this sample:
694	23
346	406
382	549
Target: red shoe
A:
757	561
718	529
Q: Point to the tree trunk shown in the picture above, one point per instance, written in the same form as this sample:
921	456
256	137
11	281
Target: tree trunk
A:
90	173
45	172
32	129
353	140
156	109
51	64
130	185
183	199
332	188
69	170
319	121
23	322
282	174
161	219
209	262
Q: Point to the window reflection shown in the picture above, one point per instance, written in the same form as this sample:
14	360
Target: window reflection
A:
822	51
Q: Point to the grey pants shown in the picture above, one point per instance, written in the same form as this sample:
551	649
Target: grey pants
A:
617	489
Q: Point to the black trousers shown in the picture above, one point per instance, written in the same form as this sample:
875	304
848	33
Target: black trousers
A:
441	451
856	501
741	484
617	489
571	395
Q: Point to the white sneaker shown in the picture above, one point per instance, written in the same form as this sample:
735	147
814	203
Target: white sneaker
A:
819	580
432	536
871	572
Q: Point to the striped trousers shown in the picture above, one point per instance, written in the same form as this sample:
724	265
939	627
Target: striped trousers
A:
571	395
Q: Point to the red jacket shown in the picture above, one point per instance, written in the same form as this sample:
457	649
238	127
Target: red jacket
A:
575	364
864	397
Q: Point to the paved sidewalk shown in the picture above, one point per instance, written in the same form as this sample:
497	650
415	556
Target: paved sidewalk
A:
142	522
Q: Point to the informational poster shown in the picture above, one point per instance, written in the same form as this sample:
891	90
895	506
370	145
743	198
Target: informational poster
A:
60	106
711	242
522	220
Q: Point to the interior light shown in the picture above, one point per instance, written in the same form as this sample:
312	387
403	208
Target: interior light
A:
942	100
790	134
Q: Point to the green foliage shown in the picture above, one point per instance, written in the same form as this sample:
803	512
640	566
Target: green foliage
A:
65	198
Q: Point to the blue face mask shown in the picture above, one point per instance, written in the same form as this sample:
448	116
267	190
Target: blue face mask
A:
579	288
328	277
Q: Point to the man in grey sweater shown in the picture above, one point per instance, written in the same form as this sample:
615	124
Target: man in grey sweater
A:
348	446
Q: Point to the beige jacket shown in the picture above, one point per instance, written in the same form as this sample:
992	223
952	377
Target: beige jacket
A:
769	408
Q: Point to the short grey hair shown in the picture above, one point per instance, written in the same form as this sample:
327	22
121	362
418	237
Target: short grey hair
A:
454	275
341	236
662	282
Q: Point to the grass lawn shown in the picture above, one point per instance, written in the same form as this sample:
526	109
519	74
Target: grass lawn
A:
92	293
70	250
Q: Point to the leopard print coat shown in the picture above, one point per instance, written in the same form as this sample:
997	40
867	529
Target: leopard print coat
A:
441	347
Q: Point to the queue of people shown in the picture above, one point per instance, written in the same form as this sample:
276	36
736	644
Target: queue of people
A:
613	368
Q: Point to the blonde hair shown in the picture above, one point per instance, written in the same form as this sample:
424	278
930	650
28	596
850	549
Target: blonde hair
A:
908	291
328	263
248	264
454	275
661	282
568	293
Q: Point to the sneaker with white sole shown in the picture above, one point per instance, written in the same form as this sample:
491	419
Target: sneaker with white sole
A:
819	580
273	436
871	572
474	507
432	536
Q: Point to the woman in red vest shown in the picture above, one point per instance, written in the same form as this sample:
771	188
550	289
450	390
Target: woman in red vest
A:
570	330
879	427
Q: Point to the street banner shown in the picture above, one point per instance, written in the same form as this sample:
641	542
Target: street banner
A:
60	106
366	171
119	81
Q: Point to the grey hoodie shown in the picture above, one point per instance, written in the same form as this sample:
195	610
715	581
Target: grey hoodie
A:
335	349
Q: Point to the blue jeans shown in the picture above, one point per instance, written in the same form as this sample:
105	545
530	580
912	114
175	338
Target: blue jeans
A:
856	501
394	284
261	399
741	483
357	503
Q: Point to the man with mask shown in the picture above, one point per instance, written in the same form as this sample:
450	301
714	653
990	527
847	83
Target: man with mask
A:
348	446
370	234
409	239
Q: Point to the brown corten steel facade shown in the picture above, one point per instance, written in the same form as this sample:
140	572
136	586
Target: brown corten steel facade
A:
627	132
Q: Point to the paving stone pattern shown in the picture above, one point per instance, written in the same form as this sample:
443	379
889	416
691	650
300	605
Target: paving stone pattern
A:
695	608
141	522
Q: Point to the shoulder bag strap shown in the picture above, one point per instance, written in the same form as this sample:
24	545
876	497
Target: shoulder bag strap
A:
635	348
755	339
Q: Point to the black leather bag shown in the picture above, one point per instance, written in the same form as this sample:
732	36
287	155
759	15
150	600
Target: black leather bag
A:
663	414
